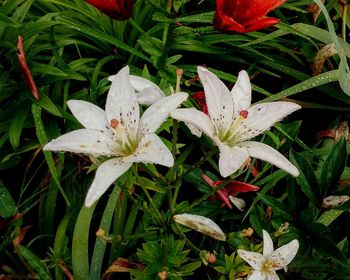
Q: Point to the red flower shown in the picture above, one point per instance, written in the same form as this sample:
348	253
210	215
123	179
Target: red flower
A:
199	97
244	15
116	9
227	193
27	76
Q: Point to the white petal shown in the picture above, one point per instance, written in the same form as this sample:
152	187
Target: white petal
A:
194	130
285	254
85	141
106	174
242	93
201	224
255	260
262	116
152	150
238	202
155	115
268	244
140	84
257	275
218	97
147	91
121	104
231	159
148	96
272	275
196	118
266	153
90	115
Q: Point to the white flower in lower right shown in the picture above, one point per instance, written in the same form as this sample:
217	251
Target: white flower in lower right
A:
265	265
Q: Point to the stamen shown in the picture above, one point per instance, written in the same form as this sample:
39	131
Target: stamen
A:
244	114
230	134
179	73
114	123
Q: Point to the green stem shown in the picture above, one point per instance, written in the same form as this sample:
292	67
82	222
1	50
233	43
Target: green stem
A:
161	218
188	242
177	183
344	16
172	170
137	27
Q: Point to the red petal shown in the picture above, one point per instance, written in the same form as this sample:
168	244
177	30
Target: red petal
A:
257	9
262	23
223	196
117	9
226	23
237	187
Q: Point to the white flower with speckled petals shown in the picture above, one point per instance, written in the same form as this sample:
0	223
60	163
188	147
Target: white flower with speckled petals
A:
118	132
265	265
232	121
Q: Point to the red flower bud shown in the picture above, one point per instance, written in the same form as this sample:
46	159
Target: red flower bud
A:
244	15
116	9
27	76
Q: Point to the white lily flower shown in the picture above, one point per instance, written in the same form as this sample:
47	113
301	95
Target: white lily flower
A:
232	121
201	224
265	265
118	133
147	92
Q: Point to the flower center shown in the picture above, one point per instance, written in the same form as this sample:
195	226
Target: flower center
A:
267	266
228	136
126	145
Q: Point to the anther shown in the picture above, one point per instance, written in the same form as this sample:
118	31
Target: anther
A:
244	114
114	123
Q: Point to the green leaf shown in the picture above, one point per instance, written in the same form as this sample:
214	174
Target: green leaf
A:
40	132
329	216
307	179
324	78
334	165
323	242
277	206
35	263
149	184
17	123
153	46
7	205
100	245
80	243
97	34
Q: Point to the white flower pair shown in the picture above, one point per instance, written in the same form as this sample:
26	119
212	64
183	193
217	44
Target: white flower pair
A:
121	135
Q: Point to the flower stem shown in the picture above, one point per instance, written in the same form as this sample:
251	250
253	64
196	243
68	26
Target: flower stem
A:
344	17
161	218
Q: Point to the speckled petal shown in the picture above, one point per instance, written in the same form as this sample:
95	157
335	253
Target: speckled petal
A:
255	260
151	149
219	99
83	141
257	275
262	116
285	254
121	104
242	93
156	114
90	116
